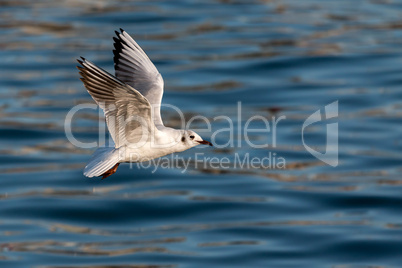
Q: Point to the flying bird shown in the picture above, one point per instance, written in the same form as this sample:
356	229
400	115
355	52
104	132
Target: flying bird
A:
131	101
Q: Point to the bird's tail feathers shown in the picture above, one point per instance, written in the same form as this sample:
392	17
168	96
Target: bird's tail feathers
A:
103	159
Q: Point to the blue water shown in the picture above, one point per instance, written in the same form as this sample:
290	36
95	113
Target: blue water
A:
277	58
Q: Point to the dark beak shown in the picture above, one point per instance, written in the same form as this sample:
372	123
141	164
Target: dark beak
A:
205	142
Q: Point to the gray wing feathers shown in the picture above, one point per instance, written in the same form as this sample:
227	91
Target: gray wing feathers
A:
134	67
127	112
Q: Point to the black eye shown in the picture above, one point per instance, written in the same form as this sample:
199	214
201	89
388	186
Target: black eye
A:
183	139
192	137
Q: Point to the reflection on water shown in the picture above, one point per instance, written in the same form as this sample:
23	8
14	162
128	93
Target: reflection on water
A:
279	58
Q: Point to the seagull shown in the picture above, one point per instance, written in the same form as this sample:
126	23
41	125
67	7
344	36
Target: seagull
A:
131	101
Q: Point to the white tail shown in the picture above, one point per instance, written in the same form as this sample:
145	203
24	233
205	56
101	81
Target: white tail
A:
102	160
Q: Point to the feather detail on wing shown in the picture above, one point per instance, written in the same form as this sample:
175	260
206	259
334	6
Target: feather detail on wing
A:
133	67
127	111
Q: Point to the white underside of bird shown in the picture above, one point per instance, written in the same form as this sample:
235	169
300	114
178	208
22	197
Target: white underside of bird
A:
131	101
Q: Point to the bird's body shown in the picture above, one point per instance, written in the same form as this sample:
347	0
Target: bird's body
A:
162	145
131	102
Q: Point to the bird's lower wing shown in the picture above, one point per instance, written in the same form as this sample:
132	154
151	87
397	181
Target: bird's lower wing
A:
127	111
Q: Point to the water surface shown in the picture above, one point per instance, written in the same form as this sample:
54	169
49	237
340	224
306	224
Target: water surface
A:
278	58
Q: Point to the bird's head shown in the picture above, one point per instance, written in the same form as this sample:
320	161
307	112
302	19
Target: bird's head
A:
191	139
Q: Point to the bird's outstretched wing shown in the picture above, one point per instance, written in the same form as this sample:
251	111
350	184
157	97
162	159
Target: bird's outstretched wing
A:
127	111
133	67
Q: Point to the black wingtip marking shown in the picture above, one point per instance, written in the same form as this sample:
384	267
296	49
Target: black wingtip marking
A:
118	45
116	40
121	30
